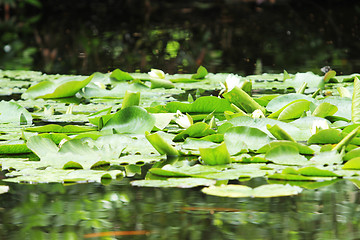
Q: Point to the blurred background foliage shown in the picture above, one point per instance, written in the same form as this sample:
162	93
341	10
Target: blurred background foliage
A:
238	36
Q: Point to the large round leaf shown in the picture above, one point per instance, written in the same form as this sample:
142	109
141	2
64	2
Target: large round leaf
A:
242	137
264	191
11	112
131	120
286	155
59	88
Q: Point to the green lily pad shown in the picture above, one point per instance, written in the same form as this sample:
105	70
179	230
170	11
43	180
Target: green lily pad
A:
59	88
325	109
174	182
59	175
303	149
352	164
200	73
286	155
206	104
14	147
130	120
355	106
11	112
218	155
326	136
119	75
264	191
242	137
197	130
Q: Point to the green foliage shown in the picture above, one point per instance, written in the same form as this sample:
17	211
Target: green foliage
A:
207	140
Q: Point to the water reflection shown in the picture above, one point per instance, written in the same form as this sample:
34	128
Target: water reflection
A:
55	211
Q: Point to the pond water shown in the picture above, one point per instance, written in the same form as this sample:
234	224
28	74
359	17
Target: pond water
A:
243	37
57	211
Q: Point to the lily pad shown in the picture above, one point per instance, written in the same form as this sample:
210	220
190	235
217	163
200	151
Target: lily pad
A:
174	182
242	137
264	191
11	112
130	120
59	88
286	155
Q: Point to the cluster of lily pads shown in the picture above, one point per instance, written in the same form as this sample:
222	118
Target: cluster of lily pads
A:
184	130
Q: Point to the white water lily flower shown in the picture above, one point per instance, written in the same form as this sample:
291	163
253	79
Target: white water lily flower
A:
157	73
231	81
257	114
319	125
184	121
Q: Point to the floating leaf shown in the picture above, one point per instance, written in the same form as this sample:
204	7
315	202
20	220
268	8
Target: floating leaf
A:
286	155
326	136
119	75
160	144
174	182
242	100
200	74
215	156
60	129
131	99
347	139
279	133
197	130
325	109
355	106
14	147
316	172
242	137
303	149
11	112
130	120
59	88
161	83
264	191
204	104
41	146
283	100
352	164
294	110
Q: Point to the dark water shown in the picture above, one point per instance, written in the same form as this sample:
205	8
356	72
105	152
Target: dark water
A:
238	36
55	211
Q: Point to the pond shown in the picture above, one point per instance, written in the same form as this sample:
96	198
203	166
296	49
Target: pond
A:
240	37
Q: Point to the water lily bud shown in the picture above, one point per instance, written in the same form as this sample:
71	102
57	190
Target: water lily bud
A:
319	125
232	81
157	73
183	120
257	114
